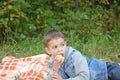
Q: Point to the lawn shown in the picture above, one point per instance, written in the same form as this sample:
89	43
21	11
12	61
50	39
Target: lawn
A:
100	47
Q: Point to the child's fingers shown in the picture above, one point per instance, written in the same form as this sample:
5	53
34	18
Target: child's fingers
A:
54	76
59	58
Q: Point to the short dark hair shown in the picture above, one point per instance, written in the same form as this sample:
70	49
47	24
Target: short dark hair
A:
52	34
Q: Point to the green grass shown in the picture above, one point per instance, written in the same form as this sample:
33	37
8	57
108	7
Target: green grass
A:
28	47
100	47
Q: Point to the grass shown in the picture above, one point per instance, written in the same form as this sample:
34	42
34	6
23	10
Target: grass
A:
100	47
28	47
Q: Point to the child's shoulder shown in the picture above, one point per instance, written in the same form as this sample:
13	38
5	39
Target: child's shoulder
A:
73	52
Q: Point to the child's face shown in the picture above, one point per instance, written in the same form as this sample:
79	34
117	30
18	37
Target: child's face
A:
56	47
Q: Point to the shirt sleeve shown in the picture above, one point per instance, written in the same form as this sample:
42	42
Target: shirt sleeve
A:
81	67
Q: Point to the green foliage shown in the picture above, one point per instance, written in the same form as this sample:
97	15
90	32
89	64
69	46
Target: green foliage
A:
82	21
23	18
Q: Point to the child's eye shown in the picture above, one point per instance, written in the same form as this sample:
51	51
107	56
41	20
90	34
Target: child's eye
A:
54	47
62	44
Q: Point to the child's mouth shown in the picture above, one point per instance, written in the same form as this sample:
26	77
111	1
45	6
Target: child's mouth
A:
62	54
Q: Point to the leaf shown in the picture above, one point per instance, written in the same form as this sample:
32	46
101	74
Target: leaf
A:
119	8
5	21
71	24
51	21
32	27
98	24
84	16
48	13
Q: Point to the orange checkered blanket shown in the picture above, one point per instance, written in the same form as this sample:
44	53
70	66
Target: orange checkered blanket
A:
28	68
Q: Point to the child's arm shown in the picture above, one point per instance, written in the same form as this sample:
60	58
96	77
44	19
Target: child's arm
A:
79	67
56	65
53	72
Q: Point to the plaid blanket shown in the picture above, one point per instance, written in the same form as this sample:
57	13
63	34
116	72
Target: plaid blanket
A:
28	68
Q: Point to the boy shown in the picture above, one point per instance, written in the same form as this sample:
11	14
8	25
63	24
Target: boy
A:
75	65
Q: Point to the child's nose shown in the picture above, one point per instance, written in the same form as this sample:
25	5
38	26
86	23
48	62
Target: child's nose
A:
60	48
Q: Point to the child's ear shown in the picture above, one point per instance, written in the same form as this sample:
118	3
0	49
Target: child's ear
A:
47	50
65	41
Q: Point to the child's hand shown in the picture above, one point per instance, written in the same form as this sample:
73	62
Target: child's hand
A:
59	59
56	76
